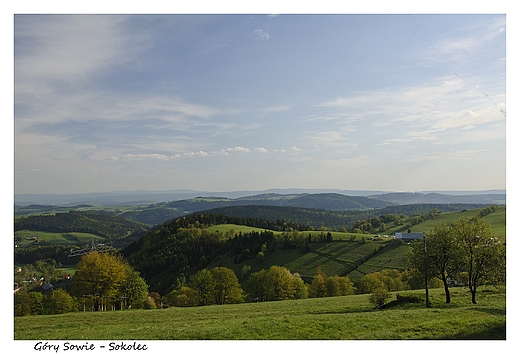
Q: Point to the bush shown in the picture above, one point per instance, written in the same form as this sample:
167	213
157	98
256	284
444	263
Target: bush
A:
379	296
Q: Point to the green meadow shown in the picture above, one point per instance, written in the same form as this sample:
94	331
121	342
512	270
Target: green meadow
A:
55	238
348	318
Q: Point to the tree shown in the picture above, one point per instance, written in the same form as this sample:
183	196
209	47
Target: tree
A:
332	286
257	286
369	283
36	302
227	289
134	290
346	287
442	255
204	283
182	297
482	256
100	275
300	288
390	279
276	283
280	284
22	303
59	301
318	288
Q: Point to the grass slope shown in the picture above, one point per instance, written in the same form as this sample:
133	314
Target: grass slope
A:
350	317
335	257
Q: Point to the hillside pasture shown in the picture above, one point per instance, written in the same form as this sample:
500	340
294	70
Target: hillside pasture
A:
54	238
497	221
334	318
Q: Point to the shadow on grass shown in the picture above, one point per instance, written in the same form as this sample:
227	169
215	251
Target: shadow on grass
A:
494	332
496	312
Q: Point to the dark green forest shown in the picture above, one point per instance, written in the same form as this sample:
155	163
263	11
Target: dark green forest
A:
97	223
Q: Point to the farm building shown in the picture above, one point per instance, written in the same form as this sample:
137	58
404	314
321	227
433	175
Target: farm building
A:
408	236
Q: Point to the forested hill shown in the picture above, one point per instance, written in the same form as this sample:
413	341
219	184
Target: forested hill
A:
177	249
101	224
180	247
335	220
329	201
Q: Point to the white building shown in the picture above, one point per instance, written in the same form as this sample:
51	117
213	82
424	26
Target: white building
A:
408	236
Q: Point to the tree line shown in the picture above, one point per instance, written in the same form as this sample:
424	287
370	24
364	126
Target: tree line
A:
102	281
99	224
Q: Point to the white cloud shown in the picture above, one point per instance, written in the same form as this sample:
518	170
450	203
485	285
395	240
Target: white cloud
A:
332	139
261	149
55	49
144	156
238	149
295	148
197	153
439	106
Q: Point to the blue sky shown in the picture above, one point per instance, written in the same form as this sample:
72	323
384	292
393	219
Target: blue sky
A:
233	102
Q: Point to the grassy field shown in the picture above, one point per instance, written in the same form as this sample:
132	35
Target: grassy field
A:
350	317
55	238
497	221
335	257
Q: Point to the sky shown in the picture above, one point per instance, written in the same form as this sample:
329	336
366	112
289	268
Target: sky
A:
214	102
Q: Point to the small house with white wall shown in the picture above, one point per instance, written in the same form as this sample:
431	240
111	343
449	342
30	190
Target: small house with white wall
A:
408	236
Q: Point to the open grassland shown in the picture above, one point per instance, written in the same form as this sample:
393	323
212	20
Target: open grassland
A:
55	238
497	221
223	228
350	317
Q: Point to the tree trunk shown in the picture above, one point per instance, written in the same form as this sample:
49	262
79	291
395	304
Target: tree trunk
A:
473	290
446	289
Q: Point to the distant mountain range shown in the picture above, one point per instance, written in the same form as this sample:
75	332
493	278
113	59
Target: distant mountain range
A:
319	198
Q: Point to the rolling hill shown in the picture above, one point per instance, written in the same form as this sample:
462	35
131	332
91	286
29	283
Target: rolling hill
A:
179	248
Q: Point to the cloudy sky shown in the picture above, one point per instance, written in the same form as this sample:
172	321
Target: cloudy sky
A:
251	102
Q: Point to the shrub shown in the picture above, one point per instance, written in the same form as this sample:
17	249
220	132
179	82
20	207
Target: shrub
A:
379	296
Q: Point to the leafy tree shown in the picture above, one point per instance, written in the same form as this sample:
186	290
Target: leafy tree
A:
22	303
318	287
101	275
346	287
227	289
182	297
36	302
156	297
59	301
204	283
257	286
300	288
332	286
149	303
280	284
442	254
390	279
482	256
245	270
369	283
276	283
134	290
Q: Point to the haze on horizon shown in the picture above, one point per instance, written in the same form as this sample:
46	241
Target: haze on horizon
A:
254	102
